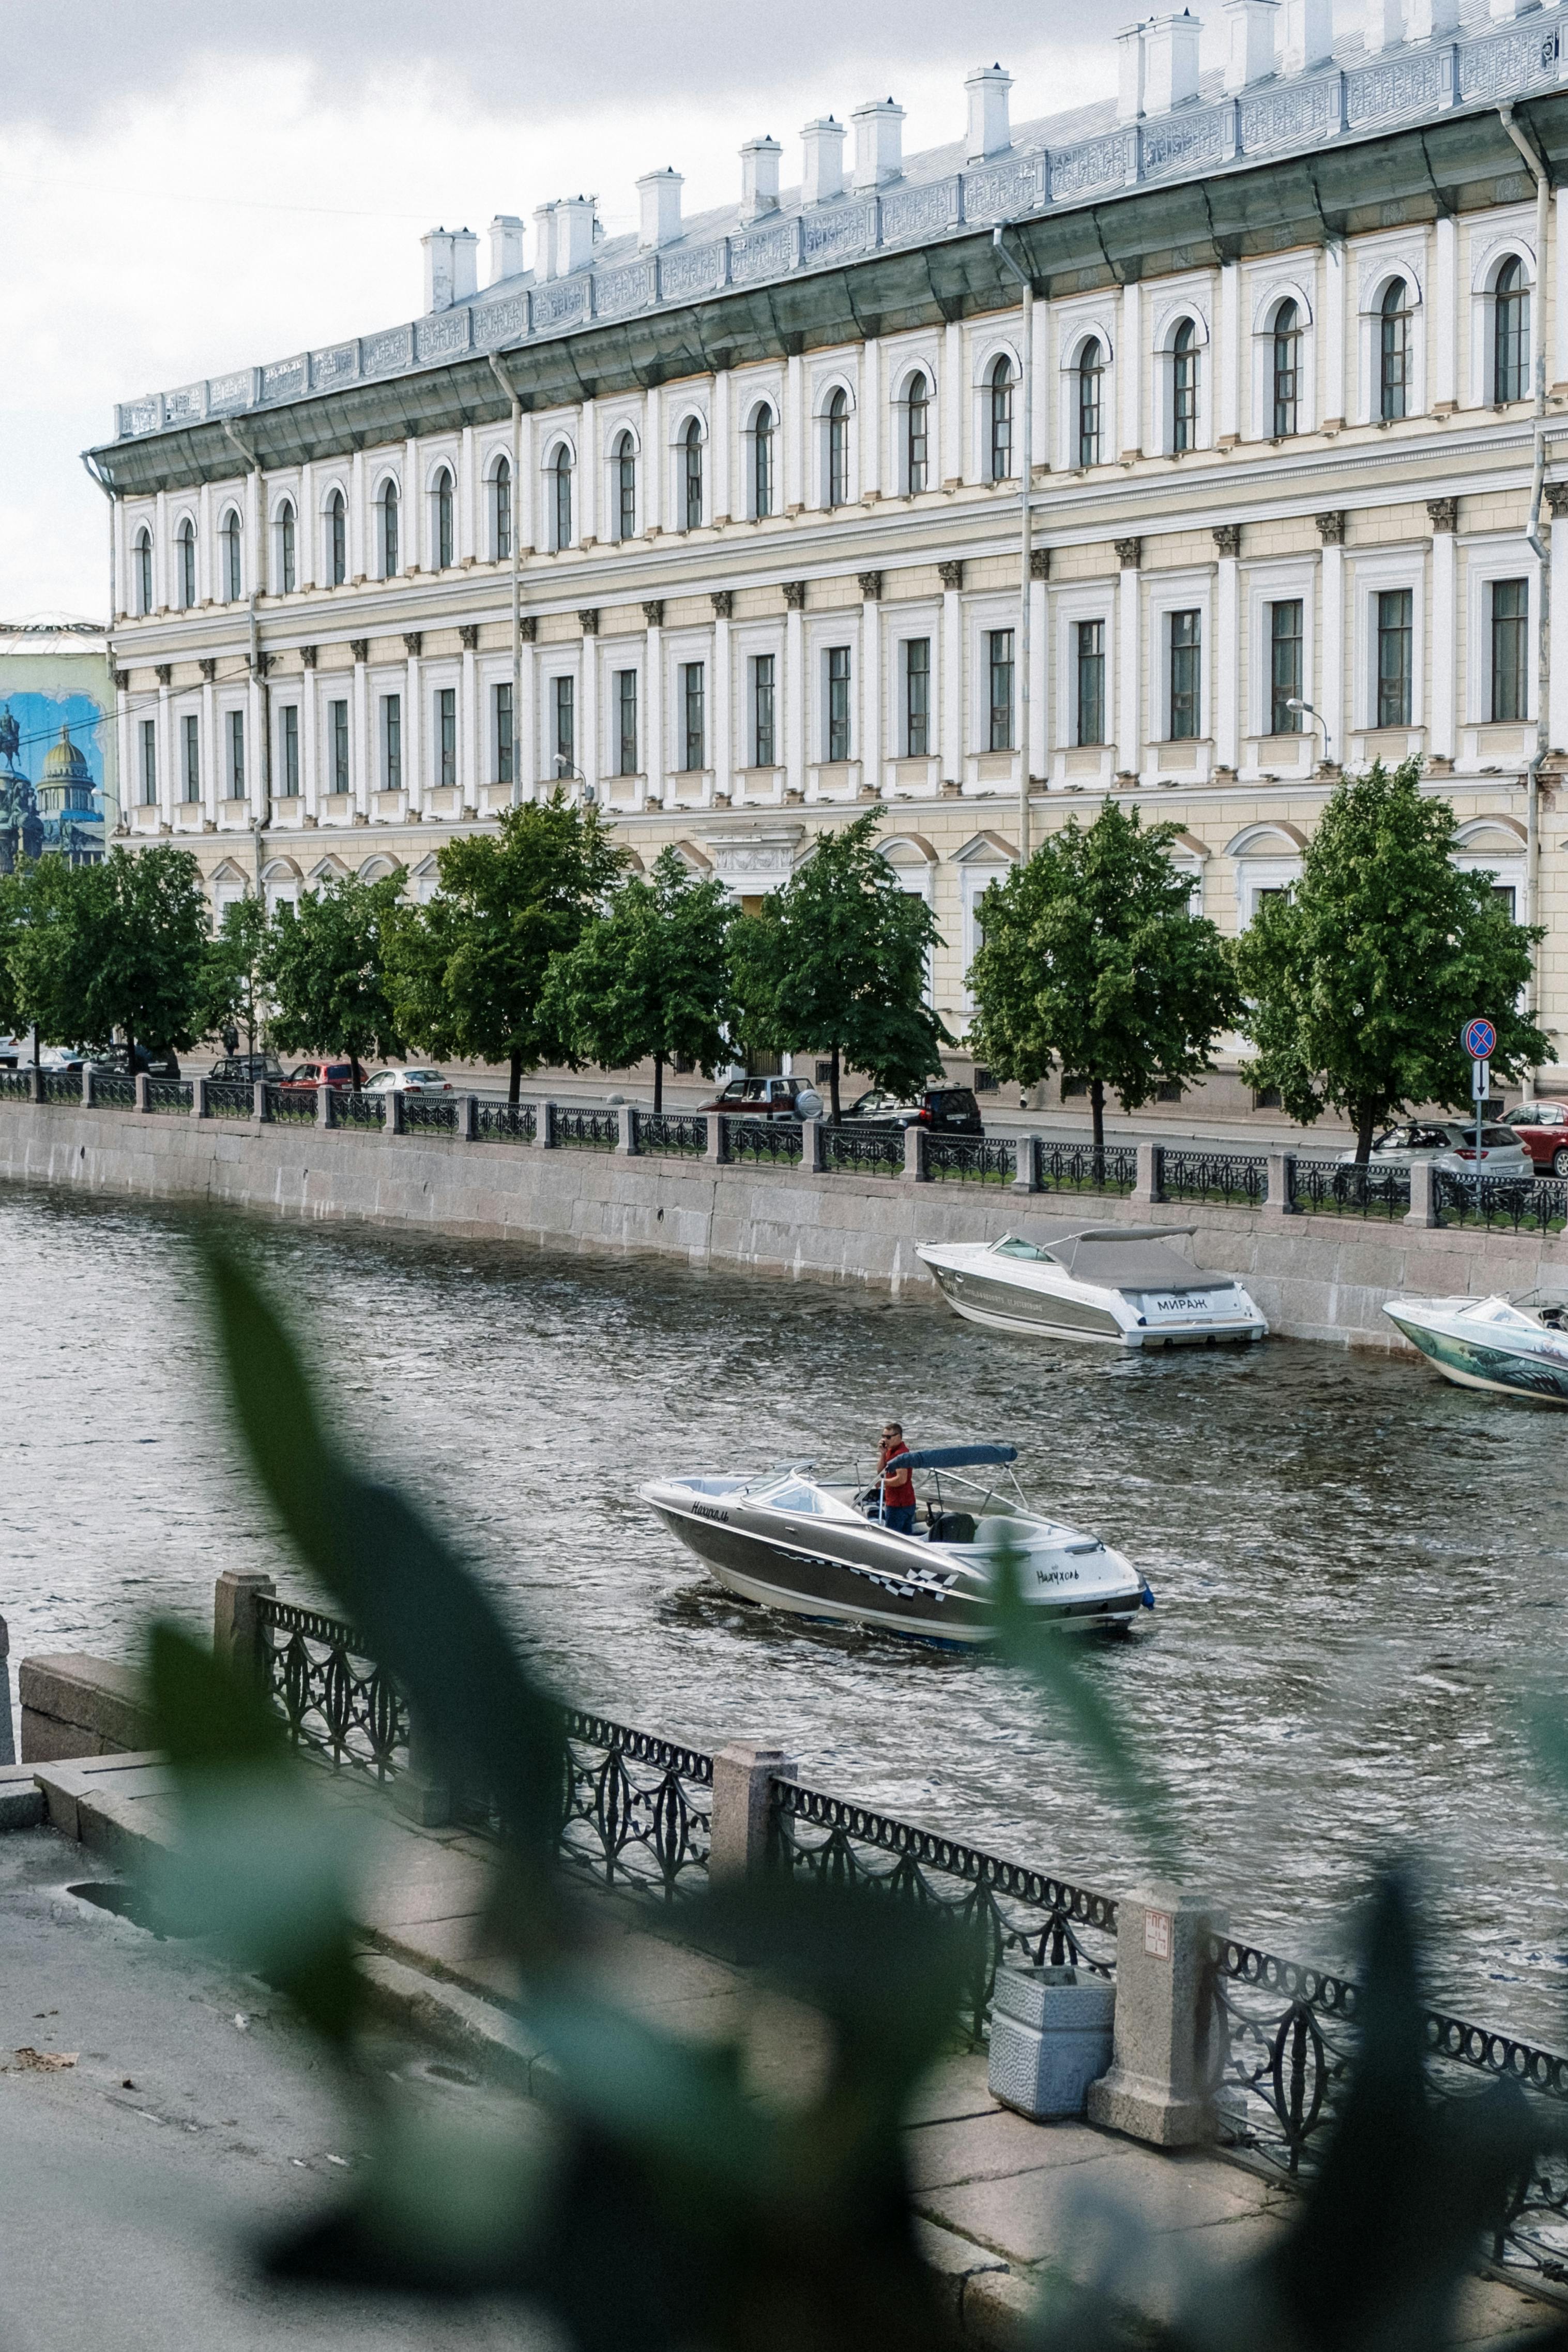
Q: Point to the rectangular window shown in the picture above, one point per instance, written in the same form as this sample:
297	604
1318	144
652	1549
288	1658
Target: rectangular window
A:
1510	633
1186	710
626	722
391	743
837	702
1284	666
190	730
288	750
337	727
149	762
565	690
918	699
446	734
501	711
764	742
234	781
999	670
1394	651
694	715
1090	663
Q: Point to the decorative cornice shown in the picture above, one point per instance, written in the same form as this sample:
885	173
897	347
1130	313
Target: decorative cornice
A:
723	601
1227	538
468	635
1443	513
654	612
795	596
1129	554
1331	527
951	574
587	620
361	648
414	642
870	585
1557	500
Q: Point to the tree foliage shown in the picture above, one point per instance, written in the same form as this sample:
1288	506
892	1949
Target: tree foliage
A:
234	990
836	963
325	969
469	971
1092	958
115	947
650	977
1360	981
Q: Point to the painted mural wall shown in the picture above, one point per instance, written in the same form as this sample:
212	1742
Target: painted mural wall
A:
57	784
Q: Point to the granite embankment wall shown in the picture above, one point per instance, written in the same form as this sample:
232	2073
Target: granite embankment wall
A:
1315	1276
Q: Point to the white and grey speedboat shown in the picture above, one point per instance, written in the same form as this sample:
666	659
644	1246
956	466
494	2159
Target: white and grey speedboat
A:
1123	1285
815	1547
1517	1348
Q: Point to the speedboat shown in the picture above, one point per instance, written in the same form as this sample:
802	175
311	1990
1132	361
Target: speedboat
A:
1122	1285
817	1548
1514	1348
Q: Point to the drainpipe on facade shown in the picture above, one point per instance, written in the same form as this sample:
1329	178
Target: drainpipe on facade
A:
1026	486
1525	141
264	802
500	375
112	495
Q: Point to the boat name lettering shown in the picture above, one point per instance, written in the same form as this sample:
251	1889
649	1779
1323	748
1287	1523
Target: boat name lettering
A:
1056	1576
709	1511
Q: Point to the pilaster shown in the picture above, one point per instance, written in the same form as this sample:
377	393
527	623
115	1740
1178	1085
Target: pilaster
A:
1445	629
951	683
1130	370
1226	647
721	745
654	693
1332	696
1129	667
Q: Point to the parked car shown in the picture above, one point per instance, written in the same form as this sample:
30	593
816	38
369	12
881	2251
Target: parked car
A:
946	1110
15	1050
768	1099
1542	1128
1449	1144
320	1074
245	1069
408	1082
61	1057
150	1062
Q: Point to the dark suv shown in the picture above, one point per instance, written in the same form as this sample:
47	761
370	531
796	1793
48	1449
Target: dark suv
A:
245	1069
946	1110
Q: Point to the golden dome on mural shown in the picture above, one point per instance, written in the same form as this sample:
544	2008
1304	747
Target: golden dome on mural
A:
64	763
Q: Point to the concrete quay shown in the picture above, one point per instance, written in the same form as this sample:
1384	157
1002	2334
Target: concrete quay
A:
1316	1277
1011	2210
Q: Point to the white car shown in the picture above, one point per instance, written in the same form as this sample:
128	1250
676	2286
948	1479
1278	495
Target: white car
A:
1448	1144
409	1082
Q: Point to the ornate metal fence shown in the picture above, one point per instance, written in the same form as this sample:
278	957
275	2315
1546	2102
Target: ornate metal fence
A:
112	1092
334	1699
1080	1168
863	1150
970	1159
1005	1911
1536	1205
587	1131
291	1106
429	1113
1234	1177
673	1134
170	1094
17	1085
360	1109
636	1811
228	1098
62	1087
504	1122
1338	1188
751	1139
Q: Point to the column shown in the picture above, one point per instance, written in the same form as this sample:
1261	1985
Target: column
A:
1130	370
525	724
1332	683
160	596
951	685
1335	391
870	744
470	727
362	747
1038	727
654	693
872	435
1226	647
1042	381
950	405
1129	668
212	749
310	737
1227	367
306	529
1442	673
525	488
359	519
652	485
467	498
721	744
794	434
795	689
1557	503
588	694
1558	370
719	450
413	778
415	550
1445	315
590	490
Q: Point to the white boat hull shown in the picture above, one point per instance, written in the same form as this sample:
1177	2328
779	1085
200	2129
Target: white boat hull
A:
1474	1354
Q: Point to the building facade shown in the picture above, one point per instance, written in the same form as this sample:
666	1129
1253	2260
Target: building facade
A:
722	524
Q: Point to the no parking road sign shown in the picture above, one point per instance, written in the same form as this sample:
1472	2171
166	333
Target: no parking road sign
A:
1478	1039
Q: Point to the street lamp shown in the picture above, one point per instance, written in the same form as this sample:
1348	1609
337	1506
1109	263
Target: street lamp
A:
1295	703
565	772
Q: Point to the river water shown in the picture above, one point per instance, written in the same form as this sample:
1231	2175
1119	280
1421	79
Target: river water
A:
1361	1571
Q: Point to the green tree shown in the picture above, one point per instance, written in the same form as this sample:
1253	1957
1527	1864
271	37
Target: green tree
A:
1092	958
115	947
468	970
836	963
325	969
650	976
1359	983
234	990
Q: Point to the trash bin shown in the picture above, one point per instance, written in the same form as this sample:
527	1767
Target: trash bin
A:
1050	2037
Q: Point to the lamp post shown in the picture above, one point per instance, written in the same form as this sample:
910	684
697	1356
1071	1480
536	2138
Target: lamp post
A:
1295	703
566	773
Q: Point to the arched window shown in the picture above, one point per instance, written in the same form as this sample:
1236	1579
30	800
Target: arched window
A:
230	544
762	463
287	553
143	556
1287	369
999	438
839	447
337	539
389	562
692	473
625	488
1090	374
442	519
1183	386
561	497
1511	332
916	436
1393	352
185	563
501	513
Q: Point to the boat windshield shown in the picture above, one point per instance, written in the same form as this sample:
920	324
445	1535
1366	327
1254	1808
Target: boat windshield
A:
1010	1247
793	1492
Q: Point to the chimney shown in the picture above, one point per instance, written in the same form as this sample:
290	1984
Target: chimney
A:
465	264
1170	61
1130	73
506	248
573	235
544	241
879	142
1249	41
1384	27
759	178
986	90
823	173
660	193
437	269
1306	30
1431	20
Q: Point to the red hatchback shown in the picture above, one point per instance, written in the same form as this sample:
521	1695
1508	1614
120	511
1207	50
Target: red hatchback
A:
1542	1128
312	1075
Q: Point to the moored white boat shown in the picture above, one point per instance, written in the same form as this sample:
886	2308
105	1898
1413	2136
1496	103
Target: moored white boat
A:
1123	1286
1515	1348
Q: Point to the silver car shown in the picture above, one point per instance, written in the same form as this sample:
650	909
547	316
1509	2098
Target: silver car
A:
1449	1144
409	1082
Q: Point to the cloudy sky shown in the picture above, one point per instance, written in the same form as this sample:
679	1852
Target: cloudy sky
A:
190	185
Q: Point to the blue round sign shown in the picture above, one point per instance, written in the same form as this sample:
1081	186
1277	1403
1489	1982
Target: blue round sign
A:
1478	1039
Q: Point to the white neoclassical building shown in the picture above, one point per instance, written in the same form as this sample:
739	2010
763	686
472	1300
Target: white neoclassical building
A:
724	523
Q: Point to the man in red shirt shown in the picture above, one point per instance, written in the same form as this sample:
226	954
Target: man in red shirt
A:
896	1487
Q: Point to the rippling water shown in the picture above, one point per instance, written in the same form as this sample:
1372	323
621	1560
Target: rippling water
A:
1360	1570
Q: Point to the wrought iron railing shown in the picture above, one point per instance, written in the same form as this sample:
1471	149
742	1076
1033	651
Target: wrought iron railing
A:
230	1098
587	1131
291	1106
1530	1203
1006	1911
333	1698
1339	1188
1082	1168
673	1133
17	1085
1236	1178
862	1150
112	1091
62	1087
496	1122
429	1113
360	1109
636	1811
776	1140
970	1159
170	1094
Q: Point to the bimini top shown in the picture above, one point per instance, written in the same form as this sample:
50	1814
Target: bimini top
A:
1120	1257
953	1457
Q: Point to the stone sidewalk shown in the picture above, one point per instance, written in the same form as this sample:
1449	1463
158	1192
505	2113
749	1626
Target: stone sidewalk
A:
1008	2207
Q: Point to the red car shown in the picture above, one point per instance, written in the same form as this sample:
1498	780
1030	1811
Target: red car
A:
1542	1128
768	1099
312	1075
